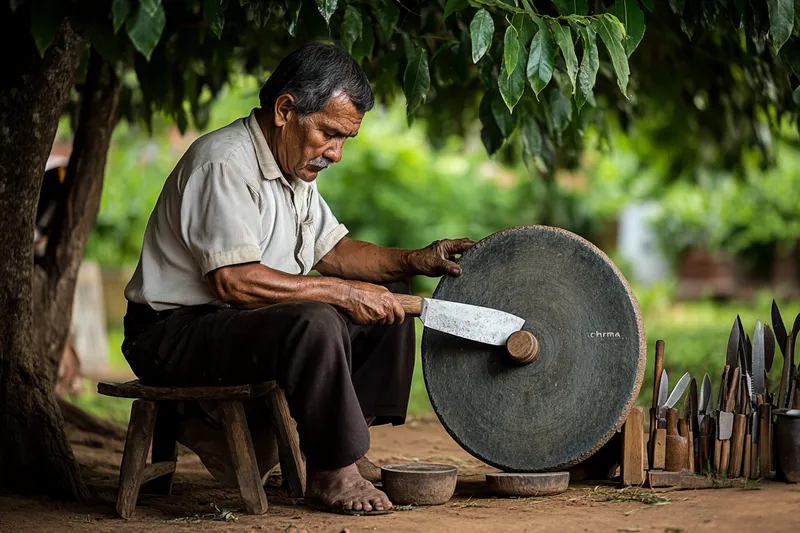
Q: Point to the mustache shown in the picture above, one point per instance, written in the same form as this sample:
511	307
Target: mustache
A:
321	162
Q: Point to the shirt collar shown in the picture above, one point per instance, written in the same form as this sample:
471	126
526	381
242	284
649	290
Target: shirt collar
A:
266	161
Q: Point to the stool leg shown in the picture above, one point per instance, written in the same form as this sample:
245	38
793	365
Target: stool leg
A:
165	447
244	456
293	466
137	444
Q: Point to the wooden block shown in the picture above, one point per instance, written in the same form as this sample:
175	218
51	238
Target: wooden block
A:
134	457
660	450
663	479
737	446
632	467
293	467
243	456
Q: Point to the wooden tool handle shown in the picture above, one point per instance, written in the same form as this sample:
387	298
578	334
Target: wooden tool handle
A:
733	389
765	439
672	421
412	305
676	453
659	366
737	446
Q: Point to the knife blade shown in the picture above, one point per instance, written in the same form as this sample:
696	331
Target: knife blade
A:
663	389
705	400
788	359
481	324
779	327
726	413
769	347
759	385
691	413
732	353
678	391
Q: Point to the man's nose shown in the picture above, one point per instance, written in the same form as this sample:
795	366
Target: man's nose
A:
334	151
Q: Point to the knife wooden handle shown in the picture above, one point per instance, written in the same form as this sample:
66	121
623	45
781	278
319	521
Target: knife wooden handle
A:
523	347
765	439
737	448
660	450
657	369
412	305
725	456
690	442
717	454
677	447
746	455
702	453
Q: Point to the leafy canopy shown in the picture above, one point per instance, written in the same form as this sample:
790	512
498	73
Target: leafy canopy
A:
719	74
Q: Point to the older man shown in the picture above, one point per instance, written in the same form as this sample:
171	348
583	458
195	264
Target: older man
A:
221	293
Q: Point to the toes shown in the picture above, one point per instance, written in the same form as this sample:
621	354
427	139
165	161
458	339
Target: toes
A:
367	505
357	505
348	506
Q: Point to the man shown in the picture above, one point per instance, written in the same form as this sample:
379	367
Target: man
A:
221	295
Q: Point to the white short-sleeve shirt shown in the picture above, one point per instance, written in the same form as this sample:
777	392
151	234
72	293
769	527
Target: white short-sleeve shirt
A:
226	203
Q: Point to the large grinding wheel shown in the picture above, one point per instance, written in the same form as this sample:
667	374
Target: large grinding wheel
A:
558	410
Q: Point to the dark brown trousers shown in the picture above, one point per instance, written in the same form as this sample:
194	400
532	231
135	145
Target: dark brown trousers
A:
333	372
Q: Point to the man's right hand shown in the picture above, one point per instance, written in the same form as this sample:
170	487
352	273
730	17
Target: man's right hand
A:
369	304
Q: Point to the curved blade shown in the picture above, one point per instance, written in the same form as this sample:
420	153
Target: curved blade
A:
663	389
769	348
731	355
678	391
780	328
759	385
480	324
705	395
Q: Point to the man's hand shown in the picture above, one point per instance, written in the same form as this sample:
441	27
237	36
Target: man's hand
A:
438	258
369	304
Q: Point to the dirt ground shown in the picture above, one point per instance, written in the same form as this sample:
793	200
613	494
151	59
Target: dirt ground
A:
199	502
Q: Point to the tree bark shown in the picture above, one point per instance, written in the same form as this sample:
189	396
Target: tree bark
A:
35	456
55	276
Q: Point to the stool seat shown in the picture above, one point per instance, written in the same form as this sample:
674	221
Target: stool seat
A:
154	420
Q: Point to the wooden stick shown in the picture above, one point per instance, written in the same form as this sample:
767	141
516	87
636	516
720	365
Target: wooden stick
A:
737	446
632	467
765	439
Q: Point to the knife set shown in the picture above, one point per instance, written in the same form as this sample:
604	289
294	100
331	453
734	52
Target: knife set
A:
732	435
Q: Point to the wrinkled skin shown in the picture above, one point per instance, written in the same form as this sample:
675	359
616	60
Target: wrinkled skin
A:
297	141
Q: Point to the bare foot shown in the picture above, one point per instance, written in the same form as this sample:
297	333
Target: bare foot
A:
345	488
368	470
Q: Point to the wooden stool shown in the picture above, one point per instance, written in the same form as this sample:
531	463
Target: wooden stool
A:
153	419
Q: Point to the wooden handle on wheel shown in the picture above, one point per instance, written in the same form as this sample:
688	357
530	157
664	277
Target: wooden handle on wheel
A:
412	305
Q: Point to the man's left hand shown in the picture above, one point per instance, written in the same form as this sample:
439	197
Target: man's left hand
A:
438	258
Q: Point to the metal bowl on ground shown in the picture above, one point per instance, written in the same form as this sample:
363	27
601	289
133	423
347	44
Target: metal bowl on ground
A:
419	483
524	484
787	444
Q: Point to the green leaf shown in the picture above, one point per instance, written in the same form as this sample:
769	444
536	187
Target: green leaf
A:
144	26
511	85
677	6
531	135
540	60
104	41
453	6
293	12
608	29
485	74
363	47
388	15
44	25
632	18
560	110
563	37
510	50
796	97
119	12
491	135
572	7
790	54
526	28
327	8
481	29
416	79
781	21
351	27
590	63
214	15
501	113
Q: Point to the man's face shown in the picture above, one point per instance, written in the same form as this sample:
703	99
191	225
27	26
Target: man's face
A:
314	142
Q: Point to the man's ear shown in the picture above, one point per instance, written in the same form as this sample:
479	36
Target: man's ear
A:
284	110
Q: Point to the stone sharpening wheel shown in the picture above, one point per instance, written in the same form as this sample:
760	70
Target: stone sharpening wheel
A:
556	411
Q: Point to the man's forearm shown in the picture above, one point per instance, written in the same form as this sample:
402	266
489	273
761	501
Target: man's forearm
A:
358	260
255	285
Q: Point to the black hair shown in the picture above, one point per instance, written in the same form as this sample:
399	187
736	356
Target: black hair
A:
312	74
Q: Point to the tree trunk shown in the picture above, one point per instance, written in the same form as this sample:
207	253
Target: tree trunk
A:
55	276
34	453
